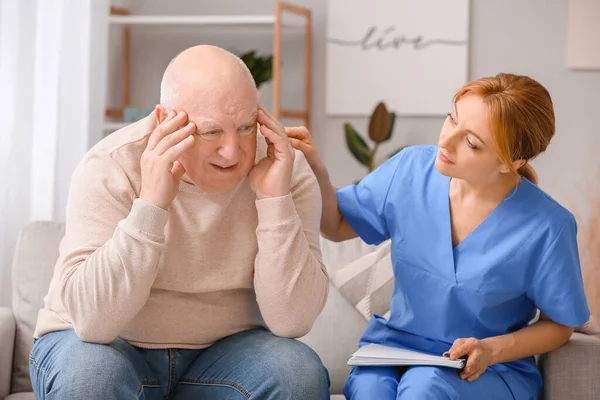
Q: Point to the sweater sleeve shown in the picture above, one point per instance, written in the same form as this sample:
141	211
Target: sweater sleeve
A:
290	280
110	251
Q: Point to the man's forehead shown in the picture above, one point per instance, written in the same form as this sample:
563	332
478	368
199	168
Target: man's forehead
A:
217	119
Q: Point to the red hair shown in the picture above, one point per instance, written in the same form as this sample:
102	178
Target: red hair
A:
521	116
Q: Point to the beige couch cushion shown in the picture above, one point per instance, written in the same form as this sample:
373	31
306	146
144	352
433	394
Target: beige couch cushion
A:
368	282
571	372
35	256
589	328
334	337
21	396
362	273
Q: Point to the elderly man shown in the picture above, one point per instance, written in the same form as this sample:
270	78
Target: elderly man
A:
191	256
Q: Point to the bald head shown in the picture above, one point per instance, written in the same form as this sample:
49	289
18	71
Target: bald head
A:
218	95
203	71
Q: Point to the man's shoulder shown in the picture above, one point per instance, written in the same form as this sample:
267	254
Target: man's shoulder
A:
123	147
127	141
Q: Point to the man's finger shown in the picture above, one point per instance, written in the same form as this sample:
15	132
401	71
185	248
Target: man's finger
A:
267	113
152	139
167	127
172	139
272	136
174	152
178	170
271	151
271	123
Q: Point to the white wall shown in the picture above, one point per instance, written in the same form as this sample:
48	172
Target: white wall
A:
533	41
509	36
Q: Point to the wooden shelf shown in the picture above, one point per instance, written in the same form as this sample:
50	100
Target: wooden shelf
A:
237	20
303	20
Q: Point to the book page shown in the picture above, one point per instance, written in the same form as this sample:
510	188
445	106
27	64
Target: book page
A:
374	354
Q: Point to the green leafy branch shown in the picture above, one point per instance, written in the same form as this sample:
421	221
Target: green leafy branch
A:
261	67
381	127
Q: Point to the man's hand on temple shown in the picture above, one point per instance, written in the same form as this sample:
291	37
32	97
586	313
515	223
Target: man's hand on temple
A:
272	175
161	172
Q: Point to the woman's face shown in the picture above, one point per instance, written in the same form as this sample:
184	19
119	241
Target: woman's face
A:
466	147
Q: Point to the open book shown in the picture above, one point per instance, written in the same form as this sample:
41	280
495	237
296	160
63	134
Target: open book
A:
375	354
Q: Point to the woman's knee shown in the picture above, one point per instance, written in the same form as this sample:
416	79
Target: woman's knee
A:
424	382
372	383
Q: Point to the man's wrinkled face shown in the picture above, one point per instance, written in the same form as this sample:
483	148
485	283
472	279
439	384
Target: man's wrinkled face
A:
224	149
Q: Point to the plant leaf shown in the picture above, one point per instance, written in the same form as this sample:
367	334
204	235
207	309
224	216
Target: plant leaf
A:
379	123
265	74
248	58
357	146
261	67
392	122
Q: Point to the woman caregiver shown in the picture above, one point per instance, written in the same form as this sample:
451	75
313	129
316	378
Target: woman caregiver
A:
477	248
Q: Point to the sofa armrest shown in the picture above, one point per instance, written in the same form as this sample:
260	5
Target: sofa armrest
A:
571	372
7	344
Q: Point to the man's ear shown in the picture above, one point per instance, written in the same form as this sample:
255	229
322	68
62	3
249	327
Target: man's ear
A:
160	113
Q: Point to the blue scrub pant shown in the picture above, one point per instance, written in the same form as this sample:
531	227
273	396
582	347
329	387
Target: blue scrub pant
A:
423	383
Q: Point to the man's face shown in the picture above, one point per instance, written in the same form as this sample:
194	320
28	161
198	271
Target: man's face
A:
224	148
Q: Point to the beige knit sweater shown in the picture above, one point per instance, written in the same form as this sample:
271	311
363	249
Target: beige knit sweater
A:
211	266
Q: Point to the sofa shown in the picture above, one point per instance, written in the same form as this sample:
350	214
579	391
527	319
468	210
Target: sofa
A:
571	372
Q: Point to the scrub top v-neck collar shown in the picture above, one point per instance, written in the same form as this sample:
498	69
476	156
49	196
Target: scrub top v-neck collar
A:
473	240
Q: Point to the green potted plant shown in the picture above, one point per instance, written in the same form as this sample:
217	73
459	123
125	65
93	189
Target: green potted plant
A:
381	127
261	67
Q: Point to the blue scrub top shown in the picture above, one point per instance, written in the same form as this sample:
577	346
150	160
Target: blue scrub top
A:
523	256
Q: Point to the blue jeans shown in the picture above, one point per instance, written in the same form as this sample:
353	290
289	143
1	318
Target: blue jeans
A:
253	364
